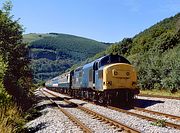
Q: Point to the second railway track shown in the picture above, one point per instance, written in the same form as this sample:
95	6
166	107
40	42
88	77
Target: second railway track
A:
158	113
173	125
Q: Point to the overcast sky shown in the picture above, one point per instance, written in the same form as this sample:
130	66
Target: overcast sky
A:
101	20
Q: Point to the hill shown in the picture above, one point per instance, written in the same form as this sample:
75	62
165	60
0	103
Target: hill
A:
53	53
155	53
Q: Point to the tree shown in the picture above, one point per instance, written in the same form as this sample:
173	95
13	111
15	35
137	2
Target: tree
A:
17	79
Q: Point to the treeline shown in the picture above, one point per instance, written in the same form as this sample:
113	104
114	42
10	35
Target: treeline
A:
155	53
15	75
74	46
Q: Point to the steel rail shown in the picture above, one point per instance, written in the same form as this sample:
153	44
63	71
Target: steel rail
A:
98	116
176	126
158	113
70	116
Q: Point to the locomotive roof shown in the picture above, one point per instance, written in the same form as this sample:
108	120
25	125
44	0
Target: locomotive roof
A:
111	56
106	58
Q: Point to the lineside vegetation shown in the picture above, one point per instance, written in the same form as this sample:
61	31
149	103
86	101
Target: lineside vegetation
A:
15	75
155	53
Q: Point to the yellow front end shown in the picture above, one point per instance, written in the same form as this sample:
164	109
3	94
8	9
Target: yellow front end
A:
119	76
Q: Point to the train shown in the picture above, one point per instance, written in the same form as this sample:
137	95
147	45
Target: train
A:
110	79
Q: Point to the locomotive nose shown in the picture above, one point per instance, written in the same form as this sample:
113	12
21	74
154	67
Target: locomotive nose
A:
119	76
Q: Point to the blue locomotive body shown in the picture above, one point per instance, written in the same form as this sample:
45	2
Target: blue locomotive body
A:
109	77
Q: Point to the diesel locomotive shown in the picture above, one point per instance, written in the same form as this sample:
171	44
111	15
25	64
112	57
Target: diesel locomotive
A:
110	79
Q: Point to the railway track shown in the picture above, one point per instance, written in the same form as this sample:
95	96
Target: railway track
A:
158	113
176	126
176	118
100	117
158	96
70	116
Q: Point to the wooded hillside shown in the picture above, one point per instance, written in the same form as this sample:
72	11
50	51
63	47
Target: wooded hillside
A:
53	53
155	53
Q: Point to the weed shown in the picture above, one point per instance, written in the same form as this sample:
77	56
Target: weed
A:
159	123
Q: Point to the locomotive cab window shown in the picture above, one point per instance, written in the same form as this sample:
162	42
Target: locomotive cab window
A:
112	59
95	66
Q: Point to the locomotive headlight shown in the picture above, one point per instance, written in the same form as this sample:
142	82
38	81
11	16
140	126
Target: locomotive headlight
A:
108	82
115	73
134	84
127	73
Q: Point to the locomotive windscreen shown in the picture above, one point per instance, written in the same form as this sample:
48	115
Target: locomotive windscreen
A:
109	59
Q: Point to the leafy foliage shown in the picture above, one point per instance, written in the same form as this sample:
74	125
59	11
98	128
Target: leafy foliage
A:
17	77
155	53
4	98
11	119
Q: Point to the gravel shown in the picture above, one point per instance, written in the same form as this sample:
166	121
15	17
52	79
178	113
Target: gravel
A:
137	123
53	120
95	125
156	116
168	106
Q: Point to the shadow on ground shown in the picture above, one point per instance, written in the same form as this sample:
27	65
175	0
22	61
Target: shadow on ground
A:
38	127
143	103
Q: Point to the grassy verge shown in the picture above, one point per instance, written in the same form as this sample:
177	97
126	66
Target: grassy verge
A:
160	92
11	120
11	116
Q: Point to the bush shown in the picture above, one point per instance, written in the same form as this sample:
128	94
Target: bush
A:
158	70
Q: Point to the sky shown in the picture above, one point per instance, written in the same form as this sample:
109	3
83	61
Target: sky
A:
101	20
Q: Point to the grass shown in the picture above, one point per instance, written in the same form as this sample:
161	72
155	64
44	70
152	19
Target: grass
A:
160	92
11	120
